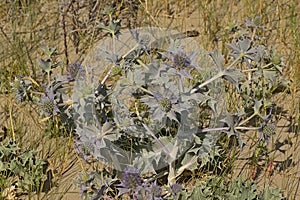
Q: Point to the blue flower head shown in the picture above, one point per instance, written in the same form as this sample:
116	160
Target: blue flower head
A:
48	103
182	62
164	104
74	70
131	178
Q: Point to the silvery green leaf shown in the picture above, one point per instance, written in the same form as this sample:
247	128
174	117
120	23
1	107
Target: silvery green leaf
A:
218	59
107	127
257	106
136	76
271	75
113	27
189	161
45	65
244	44
141	39
48	51
232	120
213	104
234	76
110	56
147	162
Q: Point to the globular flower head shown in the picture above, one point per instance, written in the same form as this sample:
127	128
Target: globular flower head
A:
48	103
182	62
74	69
165	104
267	130
156	190
131	182
131	178
268	127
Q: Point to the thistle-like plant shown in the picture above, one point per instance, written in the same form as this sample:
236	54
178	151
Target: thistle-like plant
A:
21	169
164	109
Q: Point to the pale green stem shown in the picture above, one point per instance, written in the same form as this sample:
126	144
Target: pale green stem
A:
145	90
249	118
246	128
236	60
218	75
164	148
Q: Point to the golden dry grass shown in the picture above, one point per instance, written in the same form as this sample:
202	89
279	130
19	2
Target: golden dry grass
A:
70	26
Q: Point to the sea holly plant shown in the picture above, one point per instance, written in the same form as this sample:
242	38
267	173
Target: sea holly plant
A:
149	117
22	171
218	188
151	104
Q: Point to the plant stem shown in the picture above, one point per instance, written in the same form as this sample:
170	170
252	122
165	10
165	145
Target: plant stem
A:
214	129
236	60
164	148
11	121
144	90
246	128
218	75
246	120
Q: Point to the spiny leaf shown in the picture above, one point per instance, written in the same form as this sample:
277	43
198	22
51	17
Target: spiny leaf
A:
218	59
234	76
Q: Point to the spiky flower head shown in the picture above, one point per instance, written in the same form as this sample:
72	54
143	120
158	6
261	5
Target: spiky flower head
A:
131	178
182	62
156	190
48	103
163	104
267	130
74	69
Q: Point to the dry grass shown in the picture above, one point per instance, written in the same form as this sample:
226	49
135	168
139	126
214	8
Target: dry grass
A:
70	26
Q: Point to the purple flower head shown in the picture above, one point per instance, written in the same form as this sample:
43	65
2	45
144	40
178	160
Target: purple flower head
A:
131	178
267	131
156	190
48	103
182	62
131	182
267	128
74	69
